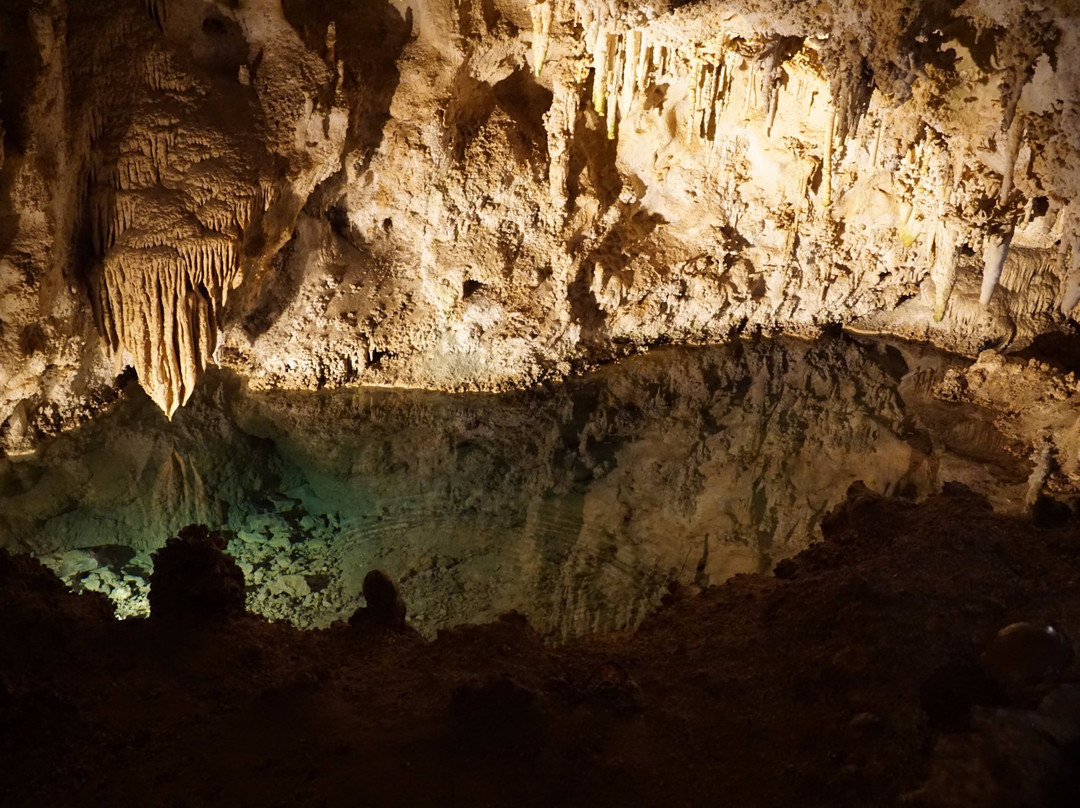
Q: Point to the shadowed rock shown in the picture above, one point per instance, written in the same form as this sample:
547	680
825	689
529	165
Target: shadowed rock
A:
194	579
385	606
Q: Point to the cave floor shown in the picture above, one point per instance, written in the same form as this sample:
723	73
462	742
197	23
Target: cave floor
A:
851	677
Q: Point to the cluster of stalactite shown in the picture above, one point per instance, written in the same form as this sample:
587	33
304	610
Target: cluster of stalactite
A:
176	194
954	214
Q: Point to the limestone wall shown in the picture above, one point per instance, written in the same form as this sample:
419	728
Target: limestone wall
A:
468	194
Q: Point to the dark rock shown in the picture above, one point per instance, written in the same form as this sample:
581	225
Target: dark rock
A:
493	701
861	508
194	578
1048	512
496	715
867	725
385	606
1025	654
959	491
29	591
611	685
677	591
954	689
786	569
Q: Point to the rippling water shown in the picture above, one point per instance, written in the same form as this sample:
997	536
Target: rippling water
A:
576	504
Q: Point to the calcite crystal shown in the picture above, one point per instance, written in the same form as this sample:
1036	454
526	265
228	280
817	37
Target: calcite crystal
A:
462	194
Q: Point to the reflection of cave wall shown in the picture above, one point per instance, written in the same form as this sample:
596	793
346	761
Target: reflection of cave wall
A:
480	195
576	505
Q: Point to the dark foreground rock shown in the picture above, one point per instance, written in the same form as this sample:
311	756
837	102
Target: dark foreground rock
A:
880	669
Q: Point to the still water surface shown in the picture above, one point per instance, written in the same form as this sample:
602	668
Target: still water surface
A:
576	504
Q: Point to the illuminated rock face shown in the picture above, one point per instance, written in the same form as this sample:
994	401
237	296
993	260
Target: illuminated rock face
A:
464	194
190	134
230	123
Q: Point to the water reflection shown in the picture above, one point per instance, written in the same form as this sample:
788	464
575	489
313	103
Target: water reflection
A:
576	504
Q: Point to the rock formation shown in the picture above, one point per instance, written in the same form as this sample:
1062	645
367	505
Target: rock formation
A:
161	155
483	193
864	671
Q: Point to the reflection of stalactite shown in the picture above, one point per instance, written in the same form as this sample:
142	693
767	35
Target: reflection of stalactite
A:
156	9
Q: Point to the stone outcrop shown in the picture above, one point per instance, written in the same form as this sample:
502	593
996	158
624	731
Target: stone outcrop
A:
194	580
465	194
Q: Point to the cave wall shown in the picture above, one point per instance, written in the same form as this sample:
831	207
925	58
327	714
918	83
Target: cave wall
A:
478	194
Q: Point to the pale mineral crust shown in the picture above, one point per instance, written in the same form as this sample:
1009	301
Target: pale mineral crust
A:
478	194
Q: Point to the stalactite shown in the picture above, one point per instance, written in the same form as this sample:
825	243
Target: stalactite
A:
1012	148
162	287
644	81
628	78
772	104
712	93
541	29
600	70
944	253
167	317
1012	87
157	10
559	125
747	96
852	87
995	251
879	125
330	44
616	53
696	71
770	79
1070	242
826	164
705	90
644	59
